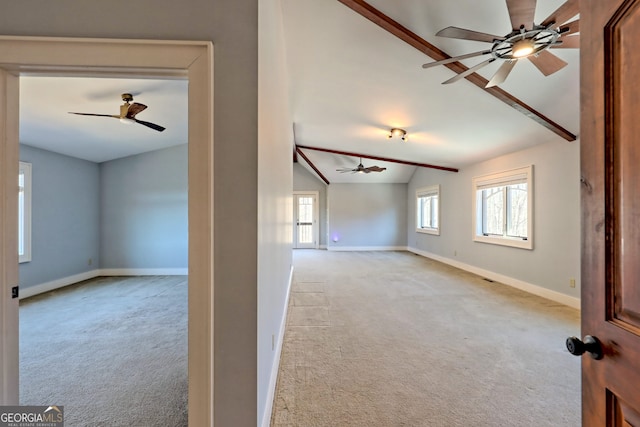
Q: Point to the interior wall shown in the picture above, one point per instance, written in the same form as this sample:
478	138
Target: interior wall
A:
372	216
555	258
65	217
232	26
303	180
144	215
275	206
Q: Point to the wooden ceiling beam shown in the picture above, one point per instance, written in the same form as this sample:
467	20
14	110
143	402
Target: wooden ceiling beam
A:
368	156
366	10
312	165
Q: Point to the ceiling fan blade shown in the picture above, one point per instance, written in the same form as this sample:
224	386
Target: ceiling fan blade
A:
570	28
502	73
566	11
469	71
521	12
547	62
150	125
571	42
134	109
461	33
97	115
456	58
374	169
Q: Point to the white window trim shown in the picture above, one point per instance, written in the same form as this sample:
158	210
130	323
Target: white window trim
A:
25	168
525	172
427	191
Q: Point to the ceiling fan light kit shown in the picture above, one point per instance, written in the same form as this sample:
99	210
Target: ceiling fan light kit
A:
527	40
398	133
128	113
523	48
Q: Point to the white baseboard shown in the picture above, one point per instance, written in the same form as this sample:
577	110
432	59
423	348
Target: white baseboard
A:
70	280
57	284
266	416
510	281
366	248
144	272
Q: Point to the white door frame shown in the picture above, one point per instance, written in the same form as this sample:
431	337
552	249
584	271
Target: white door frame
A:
316	218
116	58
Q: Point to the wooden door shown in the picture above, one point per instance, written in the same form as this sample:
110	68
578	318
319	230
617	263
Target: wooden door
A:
610	161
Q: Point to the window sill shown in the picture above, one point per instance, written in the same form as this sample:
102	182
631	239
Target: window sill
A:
505	241
433	231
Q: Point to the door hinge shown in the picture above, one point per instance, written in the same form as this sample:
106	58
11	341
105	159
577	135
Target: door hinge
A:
15	291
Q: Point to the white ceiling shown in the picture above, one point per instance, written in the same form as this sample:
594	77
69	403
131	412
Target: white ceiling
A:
45	122
350	82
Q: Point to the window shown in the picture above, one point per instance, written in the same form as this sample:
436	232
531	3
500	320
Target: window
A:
428	210
504	208
24	212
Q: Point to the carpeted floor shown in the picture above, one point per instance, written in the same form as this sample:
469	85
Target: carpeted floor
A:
394	339
112	350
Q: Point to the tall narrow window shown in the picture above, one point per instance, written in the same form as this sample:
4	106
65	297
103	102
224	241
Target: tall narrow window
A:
24	212
504	208
428	210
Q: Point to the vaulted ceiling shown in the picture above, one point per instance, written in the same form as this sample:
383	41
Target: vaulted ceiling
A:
350	81
45	122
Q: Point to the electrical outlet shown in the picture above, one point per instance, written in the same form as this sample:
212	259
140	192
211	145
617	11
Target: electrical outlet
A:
90	261
572	283
455	253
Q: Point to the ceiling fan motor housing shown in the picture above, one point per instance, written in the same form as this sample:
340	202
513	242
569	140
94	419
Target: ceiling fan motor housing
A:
542	38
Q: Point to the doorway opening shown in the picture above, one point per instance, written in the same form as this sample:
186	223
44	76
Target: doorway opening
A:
103	57
305	217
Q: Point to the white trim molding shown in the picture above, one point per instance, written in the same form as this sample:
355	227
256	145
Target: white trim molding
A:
366	248
271	393
71	280
192	60
505	280
144	272
57	284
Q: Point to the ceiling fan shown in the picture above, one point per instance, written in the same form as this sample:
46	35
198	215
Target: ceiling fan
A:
527	40
361	169
128	113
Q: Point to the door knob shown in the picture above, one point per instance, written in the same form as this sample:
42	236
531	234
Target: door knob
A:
590	345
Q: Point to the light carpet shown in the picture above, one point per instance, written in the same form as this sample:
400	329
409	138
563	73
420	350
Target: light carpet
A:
112	350
395	339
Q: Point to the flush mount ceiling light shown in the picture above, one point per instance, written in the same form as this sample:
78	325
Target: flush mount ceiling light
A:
398	133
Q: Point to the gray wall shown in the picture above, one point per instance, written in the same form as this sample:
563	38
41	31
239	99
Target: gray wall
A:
232	25
65	216
303	180
144	216
367	215
275	215
555	258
